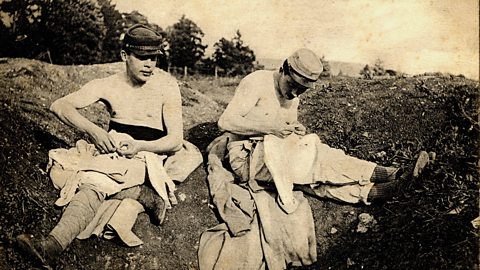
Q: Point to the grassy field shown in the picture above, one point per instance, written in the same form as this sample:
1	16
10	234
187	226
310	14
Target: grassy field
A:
426	226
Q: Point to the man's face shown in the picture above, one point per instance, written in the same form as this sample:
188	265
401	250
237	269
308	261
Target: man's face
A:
290	89
140	67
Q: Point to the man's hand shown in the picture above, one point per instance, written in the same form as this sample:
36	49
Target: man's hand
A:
103	141
282	130
128	149
300	129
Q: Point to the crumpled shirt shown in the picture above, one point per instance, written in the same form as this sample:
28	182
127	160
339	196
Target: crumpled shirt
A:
256	233
108	173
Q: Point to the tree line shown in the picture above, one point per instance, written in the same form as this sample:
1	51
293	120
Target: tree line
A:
71	32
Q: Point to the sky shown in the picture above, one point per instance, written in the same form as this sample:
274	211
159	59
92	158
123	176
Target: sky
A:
412	36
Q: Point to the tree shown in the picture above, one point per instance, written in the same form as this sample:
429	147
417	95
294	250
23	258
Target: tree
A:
74	31
206	66
232	57
65	31
115	25
367	72
326	73
378	68
21	28
185	41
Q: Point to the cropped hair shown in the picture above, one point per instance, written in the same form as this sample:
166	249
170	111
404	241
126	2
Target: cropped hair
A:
285	68
125	48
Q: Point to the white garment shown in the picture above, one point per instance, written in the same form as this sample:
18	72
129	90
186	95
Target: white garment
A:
305	160
109	173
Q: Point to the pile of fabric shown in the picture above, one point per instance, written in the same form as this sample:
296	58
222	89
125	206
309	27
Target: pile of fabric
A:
256	232
111	173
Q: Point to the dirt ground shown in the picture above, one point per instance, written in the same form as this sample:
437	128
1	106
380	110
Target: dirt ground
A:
426	226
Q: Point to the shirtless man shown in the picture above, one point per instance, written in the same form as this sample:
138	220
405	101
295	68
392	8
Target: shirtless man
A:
145	103
266	103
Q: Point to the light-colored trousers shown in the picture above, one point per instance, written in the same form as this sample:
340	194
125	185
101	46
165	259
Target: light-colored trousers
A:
331	173
82	209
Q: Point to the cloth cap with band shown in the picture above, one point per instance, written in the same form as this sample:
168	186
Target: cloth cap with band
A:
305	67
142	40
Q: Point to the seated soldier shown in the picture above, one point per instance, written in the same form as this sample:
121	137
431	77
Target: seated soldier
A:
264	111
145	103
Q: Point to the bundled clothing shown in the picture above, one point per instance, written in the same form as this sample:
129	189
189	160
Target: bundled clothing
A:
251	182
274	239
253	222
87	178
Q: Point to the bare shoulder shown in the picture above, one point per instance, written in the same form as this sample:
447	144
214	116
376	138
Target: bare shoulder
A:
164	85
162	77
258	83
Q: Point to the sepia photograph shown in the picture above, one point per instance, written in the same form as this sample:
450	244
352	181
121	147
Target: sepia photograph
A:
254	134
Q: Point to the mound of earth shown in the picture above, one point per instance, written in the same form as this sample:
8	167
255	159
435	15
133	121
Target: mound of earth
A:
427	225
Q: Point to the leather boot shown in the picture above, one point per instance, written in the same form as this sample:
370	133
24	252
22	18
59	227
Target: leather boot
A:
153	204
41	251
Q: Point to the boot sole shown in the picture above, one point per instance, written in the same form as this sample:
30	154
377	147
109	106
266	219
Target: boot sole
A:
422	161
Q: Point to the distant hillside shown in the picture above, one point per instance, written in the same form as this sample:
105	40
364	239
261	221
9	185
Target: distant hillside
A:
347	68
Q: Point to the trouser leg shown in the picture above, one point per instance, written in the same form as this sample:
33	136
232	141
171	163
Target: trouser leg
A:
337	168
152	203
77	215
353	193
383	174
129	193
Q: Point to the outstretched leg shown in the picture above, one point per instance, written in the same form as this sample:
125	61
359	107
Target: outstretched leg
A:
77	215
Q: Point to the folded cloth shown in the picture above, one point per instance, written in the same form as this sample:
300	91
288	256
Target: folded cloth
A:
253	223
287	239
175	167
110	173
234	203
115	218
183	162
219	250
274	241
82	164
122	221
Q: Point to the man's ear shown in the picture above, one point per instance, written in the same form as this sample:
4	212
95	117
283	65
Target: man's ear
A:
123	55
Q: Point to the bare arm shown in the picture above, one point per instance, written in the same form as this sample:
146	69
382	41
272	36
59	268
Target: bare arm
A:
172	115
234	119
66	108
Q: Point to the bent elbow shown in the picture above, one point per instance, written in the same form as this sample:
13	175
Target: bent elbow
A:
176	143
58	107
177	146
223	124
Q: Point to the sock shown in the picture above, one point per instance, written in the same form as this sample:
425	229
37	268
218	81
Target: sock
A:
383	174
382	191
